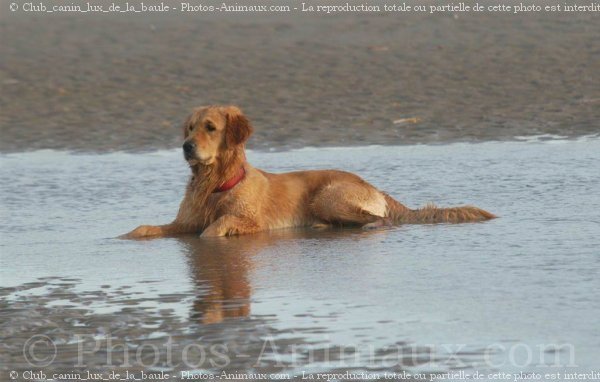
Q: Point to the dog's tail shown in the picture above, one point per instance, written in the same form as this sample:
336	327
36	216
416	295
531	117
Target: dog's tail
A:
401	214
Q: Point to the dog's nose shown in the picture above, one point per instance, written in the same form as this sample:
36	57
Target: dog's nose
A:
189	147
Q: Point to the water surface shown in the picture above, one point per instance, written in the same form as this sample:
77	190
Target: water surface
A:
474	297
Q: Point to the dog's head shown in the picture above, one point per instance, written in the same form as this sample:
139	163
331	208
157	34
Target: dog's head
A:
211	130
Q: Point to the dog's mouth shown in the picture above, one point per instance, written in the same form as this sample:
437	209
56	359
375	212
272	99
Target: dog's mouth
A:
194	161
189	156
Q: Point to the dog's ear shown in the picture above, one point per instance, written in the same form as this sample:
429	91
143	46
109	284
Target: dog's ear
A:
238	128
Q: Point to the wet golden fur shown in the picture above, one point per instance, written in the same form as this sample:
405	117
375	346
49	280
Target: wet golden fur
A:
265	201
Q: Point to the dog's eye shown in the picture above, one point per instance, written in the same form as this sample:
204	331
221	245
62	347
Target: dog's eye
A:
190	127
210	127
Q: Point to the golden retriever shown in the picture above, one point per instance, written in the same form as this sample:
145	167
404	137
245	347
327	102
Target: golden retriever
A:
227	196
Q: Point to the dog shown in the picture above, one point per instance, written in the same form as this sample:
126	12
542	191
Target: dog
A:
227	196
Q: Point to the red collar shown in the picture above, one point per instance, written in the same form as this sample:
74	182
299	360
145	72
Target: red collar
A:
231	183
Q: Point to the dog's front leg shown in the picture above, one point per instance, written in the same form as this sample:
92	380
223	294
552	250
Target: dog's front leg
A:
228	225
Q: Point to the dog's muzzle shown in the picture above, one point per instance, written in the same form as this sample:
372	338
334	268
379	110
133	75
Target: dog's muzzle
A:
189	150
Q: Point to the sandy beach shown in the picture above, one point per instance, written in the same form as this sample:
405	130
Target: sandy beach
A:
126	81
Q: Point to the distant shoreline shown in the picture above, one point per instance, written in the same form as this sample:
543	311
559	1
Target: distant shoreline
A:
544	138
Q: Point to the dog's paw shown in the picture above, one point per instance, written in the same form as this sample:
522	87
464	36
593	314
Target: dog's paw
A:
215	231
141	232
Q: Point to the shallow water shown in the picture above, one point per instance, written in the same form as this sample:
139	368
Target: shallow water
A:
485	297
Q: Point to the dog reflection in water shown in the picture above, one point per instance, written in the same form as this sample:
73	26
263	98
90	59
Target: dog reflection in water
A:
222	268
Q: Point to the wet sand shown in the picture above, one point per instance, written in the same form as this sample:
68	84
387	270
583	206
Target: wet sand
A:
126	82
